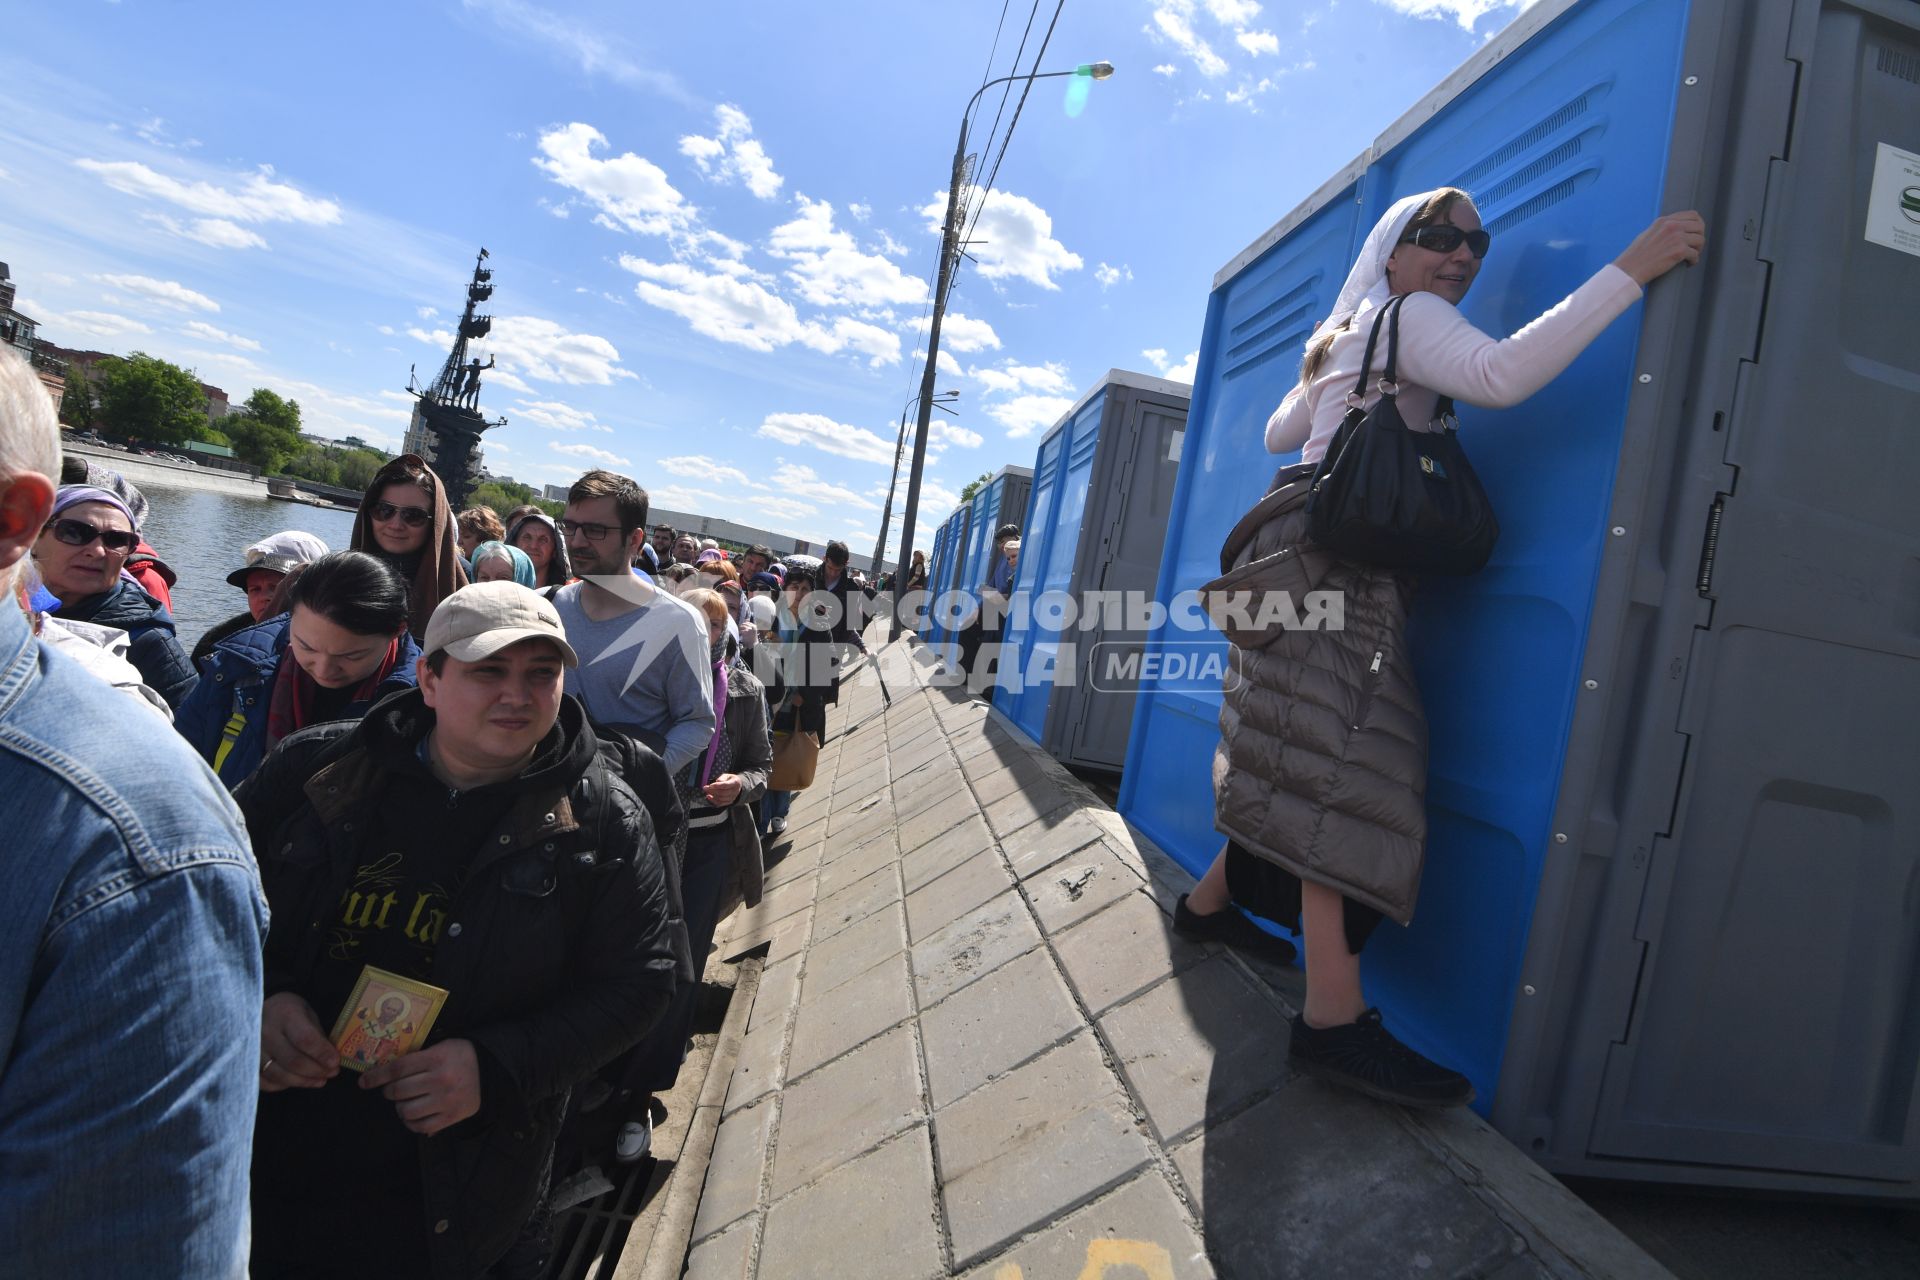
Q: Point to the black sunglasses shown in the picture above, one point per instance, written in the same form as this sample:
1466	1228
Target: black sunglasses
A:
1445	238
78	533
412	517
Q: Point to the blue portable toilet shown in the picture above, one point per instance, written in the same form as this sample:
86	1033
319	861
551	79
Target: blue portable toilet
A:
943	572
958	593
1668	923
1103	482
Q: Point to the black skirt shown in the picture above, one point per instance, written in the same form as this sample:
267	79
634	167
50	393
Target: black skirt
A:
1272	892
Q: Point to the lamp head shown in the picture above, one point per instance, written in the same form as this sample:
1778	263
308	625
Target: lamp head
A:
1096	70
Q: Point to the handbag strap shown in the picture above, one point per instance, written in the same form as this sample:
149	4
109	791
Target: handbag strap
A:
1359	392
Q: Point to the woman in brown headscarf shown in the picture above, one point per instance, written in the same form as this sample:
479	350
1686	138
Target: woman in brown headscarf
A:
404	519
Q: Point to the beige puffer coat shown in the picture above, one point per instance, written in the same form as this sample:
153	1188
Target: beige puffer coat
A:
1322	763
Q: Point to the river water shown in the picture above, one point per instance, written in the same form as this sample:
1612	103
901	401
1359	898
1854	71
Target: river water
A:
201	535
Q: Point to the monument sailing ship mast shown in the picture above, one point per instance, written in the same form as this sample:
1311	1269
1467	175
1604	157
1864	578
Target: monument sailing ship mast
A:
447	422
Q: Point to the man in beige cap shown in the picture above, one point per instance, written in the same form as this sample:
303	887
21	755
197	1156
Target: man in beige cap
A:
465	835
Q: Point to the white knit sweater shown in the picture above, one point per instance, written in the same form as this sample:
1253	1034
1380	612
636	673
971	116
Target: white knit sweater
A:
1441	353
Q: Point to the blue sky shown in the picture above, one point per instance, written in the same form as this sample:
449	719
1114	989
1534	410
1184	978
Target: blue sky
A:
712	226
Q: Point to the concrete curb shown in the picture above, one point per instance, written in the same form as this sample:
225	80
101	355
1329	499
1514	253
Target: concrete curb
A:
666	1255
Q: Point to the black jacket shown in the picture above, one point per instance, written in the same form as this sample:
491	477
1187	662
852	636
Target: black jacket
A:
152	645
560	954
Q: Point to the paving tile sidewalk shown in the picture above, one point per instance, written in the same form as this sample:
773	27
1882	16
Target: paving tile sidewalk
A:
978	1049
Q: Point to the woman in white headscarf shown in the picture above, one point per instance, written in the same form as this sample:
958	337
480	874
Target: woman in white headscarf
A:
1320	778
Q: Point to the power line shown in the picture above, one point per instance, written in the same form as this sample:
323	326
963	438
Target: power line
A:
1005	93
986	189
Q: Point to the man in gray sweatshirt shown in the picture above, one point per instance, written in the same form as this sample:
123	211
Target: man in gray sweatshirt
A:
643	652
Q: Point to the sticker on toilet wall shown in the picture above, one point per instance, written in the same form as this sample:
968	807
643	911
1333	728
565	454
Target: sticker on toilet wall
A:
1893	206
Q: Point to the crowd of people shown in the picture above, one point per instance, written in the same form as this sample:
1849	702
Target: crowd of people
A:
494	781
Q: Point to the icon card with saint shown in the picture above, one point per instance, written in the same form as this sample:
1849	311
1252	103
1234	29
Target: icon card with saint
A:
387	1015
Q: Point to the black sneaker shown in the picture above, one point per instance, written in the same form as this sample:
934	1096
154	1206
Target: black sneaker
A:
1364	1056
1232	928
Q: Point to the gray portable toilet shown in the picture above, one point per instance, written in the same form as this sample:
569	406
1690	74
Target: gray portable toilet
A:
1102	490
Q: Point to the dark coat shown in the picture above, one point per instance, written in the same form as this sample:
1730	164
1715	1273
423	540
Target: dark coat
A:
751	736
561	957
152	645
236	686
1322	763
637	761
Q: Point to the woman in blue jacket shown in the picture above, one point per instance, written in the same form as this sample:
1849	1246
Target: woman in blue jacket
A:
341	646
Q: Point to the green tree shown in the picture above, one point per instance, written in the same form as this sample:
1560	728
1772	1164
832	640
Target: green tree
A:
76	402
147	398
265	430
312	462
504	496
973	487
358	465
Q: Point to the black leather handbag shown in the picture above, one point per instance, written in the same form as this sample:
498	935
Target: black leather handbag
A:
1400	499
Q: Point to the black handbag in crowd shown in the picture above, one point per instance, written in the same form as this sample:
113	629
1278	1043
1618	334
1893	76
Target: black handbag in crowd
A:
1401	499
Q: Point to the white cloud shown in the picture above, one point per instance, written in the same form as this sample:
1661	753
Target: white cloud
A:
943	432
94	324
946	363
1465	12
1258	42
961	332
585	46
823	433
201	329
168	293
784	508
386	329
1233	13
830	270
1010	378
860	212
699	467
539	348
1181	372
630	191
1165	69
734	154
1024	415
254	197
891	247
745	313
426	313
803	482
1173	22
596	455
1111	276
555	416
216	233
1014	238
673	497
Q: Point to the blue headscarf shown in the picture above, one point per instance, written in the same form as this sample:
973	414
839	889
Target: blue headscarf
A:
522	566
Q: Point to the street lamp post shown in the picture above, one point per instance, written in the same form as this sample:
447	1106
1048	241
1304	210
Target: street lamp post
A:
893	482
943	278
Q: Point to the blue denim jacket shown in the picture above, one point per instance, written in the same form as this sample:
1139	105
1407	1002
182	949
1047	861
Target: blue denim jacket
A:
131	928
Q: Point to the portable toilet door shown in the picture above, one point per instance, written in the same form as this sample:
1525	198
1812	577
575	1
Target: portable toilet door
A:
1027	668
1128	495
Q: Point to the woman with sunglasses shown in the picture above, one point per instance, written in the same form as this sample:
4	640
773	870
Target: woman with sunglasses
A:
341	646
404	520
82	556
535	533
1320	776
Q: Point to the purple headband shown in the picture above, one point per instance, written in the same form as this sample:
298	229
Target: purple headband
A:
72	495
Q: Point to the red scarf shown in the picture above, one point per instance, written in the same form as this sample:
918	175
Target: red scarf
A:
290	706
